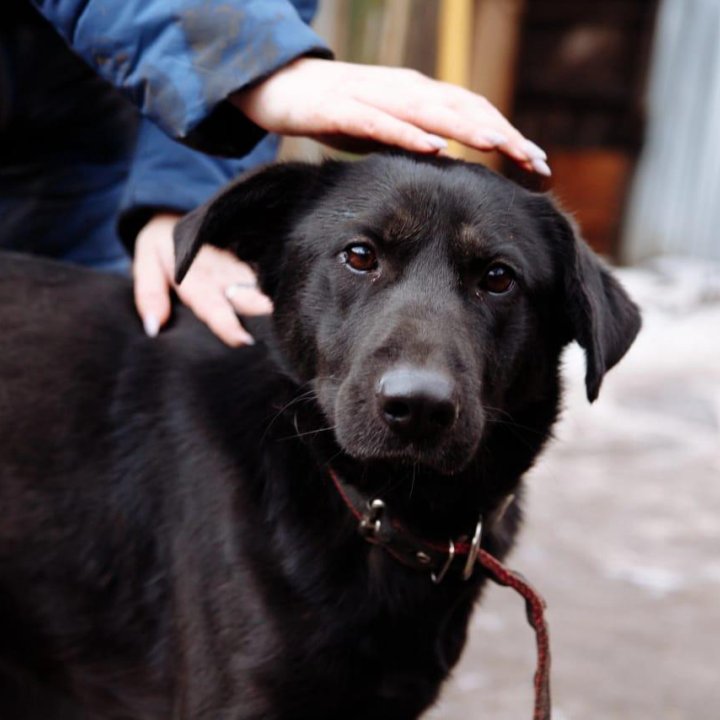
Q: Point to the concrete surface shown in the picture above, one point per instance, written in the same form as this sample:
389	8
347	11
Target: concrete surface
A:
622	535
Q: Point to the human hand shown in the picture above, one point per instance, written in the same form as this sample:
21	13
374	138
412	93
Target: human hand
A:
216	286
360	107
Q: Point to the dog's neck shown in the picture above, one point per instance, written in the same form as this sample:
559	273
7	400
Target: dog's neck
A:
432	505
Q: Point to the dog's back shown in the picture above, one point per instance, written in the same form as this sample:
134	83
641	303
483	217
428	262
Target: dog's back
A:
102	509
65	592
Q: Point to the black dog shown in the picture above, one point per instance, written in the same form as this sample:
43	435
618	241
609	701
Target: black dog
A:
178	530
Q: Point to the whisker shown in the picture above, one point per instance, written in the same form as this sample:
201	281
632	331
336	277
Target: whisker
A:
302	396
308	432
412	480
515	425
330	459
509	422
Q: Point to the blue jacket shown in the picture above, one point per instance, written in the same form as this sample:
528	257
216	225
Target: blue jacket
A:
80	167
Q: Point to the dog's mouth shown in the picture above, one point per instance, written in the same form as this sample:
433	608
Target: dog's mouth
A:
445	459
441	436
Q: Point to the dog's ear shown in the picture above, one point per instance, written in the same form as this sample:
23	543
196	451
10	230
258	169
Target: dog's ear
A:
602	318
251	217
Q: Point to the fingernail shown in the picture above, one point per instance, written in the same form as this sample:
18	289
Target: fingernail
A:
435	141
541	167
247	339
264	304
533	151
496	138
151	325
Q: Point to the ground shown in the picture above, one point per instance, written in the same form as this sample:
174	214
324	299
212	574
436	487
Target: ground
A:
622	535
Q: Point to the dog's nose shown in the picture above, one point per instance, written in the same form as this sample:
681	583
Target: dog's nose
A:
416	402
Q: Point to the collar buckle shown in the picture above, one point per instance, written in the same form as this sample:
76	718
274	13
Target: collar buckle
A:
371	520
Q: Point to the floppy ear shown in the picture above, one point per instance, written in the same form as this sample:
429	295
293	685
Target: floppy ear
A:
602	318
251	217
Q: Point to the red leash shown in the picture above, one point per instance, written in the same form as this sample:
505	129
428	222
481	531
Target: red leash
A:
535	607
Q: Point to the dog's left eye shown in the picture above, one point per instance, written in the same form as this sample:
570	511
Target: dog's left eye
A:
360	257
498	279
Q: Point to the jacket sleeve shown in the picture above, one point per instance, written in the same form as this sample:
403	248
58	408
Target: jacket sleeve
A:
178	60
165	176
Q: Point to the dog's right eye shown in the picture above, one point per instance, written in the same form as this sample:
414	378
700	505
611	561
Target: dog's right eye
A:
360	258
498	279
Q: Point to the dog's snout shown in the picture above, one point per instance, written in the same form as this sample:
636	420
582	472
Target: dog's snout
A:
416	402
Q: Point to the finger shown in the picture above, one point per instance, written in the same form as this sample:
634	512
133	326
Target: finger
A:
249	301
216	278
477	128
481	135
151	287
219	316
354	145
219	269
361	120
525	152
454	112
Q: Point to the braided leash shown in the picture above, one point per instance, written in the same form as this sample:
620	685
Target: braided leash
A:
535	607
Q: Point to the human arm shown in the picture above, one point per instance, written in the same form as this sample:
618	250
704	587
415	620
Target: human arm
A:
179	60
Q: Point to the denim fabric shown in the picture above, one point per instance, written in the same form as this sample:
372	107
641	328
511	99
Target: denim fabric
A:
77	157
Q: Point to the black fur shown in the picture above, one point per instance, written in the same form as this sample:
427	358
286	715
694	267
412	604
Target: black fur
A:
171	545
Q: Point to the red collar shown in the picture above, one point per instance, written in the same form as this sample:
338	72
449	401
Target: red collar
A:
378	527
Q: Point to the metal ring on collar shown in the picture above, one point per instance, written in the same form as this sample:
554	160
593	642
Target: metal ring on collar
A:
437	578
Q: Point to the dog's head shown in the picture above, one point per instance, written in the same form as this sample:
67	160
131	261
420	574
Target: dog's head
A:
422	297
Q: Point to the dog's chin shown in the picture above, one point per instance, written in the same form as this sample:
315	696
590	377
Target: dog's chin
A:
447	458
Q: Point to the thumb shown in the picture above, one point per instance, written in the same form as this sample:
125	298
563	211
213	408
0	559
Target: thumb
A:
153	259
